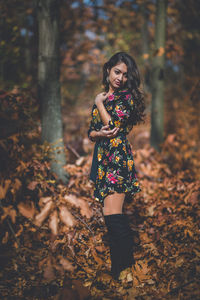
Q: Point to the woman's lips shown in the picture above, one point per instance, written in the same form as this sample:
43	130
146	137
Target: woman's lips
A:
117	82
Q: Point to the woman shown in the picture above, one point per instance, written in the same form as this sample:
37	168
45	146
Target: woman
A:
113	172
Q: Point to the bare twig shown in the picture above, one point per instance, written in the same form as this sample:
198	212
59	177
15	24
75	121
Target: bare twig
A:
73	151
83	223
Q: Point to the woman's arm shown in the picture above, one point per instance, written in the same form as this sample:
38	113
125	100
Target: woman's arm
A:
119	115
105	116
104	132
94	135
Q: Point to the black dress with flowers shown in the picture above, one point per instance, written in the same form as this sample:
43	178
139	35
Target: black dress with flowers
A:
113	168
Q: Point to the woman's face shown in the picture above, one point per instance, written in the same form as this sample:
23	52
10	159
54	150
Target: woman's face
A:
117	76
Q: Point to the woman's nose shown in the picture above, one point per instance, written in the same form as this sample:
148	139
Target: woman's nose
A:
120	77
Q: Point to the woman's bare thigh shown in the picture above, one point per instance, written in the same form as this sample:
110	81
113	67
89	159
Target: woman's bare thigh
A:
113	204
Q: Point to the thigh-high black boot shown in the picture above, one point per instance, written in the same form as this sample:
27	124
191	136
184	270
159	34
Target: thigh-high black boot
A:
120	241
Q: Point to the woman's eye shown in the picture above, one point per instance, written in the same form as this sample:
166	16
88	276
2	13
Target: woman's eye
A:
116	72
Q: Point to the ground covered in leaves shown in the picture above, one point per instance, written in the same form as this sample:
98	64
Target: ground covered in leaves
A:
53	238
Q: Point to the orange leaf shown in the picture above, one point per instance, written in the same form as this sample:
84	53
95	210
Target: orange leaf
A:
142	271
44	200
3	189
9	211
43	214
17	184
32	185
72	199
67	265
85	209
20	230
53	222
5	238
161	51
26	210
96	257
81	203
49	272
66	217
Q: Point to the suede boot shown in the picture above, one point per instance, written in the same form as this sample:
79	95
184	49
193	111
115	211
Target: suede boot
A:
120	242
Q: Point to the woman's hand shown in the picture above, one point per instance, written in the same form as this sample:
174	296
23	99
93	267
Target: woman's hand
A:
105	132
101	97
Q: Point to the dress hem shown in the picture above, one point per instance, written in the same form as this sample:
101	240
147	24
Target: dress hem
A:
111	191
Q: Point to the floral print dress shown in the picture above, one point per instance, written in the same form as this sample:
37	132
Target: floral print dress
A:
113	168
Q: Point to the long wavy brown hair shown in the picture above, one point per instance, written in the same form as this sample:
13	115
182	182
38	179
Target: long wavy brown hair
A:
132	83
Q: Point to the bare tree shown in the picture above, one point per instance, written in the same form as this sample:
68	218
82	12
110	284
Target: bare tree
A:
49	85
157	112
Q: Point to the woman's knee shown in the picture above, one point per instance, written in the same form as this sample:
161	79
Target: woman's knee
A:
113	204
111	210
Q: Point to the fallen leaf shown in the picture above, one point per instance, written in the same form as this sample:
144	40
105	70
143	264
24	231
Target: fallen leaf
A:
20	230
32	185
49	273
80	203
66	217
44	200
5	238
85	209
142	270
9	211
80	161
4	188
53	222
39	219
67	265
28	211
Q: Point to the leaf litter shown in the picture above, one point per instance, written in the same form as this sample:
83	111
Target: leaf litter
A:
58	245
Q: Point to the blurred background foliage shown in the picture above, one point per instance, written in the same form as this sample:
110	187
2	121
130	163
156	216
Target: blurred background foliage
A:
90	32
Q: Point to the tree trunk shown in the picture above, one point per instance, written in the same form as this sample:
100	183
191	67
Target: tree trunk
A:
27	53
157	111
145	46
49	85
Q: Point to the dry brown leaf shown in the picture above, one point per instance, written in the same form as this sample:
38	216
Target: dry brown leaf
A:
26	210
39	219
96	257
161	51
72	199
32	185
150	210
5	238
67	265
85	209
191	197
9	211
17	184
53	222
44	200
3	189
79	162
100	248
145	55
80	203
144	237
49	272
20	230
142	270
66	217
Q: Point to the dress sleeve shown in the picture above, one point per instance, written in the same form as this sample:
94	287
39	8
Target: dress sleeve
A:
121	111
94	122
89	131
91	128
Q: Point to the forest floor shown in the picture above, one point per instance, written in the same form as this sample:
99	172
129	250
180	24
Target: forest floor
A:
53	238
